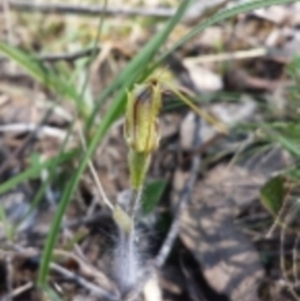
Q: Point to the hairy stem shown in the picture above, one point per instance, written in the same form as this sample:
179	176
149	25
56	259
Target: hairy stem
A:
126	264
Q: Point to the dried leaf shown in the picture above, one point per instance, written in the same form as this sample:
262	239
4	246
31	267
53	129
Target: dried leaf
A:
229	262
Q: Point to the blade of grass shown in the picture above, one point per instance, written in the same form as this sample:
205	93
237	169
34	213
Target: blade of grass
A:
35	171
131	71
44	75
288	144
216	18
286	134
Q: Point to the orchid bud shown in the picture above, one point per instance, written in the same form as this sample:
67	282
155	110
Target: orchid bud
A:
141	123
141	129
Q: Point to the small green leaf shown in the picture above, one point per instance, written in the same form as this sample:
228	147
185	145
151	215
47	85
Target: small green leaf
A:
272	194
152	194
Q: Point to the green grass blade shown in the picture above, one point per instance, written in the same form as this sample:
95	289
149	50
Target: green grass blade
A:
131	71
218	17
272	194
287	134
44	75
34	171
290	145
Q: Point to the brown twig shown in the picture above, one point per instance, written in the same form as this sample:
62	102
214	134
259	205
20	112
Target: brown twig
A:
91	10
72	56
63	56
68	56
196	12
19	290
93	288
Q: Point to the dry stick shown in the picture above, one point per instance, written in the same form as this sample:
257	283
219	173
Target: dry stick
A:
91	10
19	290
238	55
72	56
199	10
98	183
69	57
9	278
286	223
87	268
85	219
39	130
295	258
184	197
9	29
83	282
94	289
8	22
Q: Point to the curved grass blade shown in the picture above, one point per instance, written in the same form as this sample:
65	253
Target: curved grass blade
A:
216	18
44	75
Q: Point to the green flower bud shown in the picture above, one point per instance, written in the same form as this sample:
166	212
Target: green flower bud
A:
141	129
141	124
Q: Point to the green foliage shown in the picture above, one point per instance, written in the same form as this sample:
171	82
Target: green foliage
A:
44	75
152	193
293	174
286	134
272	194
35	170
